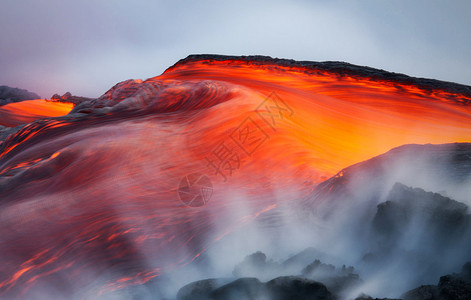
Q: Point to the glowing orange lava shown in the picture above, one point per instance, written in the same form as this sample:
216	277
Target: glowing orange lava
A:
339	120
18	113
91	200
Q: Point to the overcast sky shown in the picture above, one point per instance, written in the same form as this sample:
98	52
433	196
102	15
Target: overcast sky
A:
85	46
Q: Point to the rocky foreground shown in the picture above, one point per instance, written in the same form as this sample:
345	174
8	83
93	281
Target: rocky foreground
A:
317	281
408	216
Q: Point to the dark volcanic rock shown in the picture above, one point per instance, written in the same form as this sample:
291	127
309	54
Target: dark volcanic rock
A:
303	264
455	287
416	232
243	288
336	280
438	221
366	297
200	290
254	264
315	281
280	288
398	229
6	131
69	98
447	163
340	68
424	292
318	267
9	95
450	287
296	263
296	288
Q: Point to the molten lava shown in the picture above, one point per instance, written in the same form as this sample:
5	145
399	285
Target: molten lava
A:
18	113
339	120
91	199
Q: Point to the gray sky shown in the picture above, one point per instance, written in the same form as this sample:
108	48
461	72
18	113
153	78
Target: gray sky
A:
85	47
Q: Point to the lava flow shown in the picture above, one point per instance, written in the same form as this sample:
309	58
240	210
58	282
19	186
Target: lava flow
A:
23	112
90	201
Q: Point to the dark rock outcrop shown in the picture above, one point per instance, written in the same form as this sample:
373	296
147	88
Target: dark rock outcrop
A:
200	290
69	98
397	228
9	95
437	220
280	288
313	281
340	68
450	163
450	287
413	228
292	287
336	280
242	288
255	264
424	292
366	297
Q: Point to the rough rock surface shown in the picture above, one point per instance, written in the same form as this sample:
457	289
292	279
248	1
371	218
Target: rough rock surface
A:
9	95
341	68
69	98
313	281
281	288
366	297
450	287
438	220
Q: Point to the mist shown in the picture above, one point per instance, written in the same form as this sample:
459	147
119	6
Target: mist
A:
341	229
125	197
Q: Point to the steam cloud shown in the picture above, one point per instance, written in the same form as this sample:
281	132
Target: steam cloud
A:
90	201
